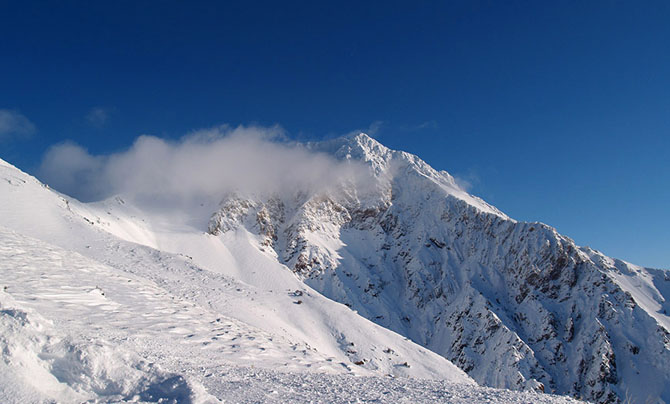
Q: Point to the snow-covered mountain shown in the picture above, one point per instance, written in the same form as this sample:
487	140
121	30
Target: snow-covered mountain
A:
397	271
515	305
86	315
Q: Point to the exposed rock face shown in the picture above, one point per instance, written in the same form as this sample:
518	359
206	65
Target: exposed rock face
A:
515	305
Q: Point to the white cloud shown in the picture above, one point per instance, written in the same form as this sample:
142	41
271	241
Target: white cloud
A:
372	130
72	169
14	124
98	116
467	181
203	163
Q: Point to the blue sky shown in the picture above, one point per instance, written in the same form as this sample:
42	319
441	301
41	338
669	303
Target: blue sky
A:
553	112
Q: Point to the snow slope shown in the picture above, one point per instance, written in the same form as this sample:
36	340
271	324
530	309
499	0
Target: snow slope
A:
251	286
97	317
114	337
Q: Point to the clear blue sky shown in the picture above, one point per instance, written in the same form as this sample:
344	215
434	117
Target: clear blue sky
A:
553	112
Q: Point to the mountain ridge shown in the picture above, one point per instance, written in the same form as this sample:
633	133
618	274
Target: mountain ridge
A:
478	254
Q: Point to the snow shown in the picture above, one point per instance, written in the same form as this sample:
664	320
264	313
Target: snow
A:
386	163
104	342
641	284
42	363
129	322
514	304
351	295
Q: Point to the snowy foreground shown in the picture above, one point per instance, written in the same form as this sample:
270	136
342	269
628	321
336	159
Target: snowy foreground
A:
116	337
86	316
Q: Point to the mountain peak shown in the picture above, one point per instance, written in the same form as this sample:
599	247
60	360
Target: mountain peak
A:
364	148
387	163
357	146
362	139
354	146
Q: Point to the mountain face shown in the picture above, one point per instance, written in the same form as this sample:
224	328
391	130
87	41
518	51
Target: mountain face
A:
514	304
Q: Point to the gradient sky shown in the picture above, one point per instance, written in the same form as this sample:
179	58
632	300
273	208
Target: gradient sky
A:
556	112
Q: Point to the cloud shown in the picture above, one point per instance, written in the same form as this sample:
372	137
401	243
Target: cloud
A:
70	168
98	116
467	181
432	124
205	163
14	124
372	130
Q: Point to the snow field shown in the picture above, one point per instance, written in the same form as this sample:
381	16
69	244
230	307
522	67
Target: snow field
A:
114	337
